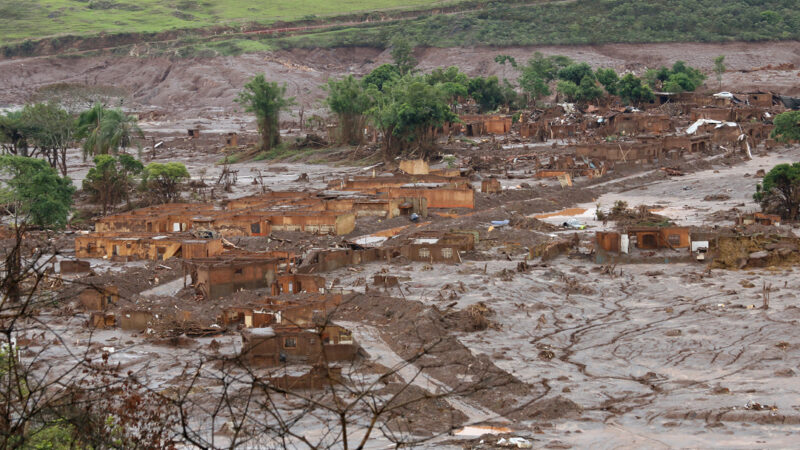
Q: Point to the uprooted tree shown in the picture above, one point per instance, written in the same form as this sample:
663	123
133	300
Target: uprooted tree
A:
779	191
266	100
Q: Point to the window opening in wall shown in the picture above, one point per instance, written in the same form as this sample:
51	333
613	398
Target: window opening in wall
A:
447	252
255	228
289	342
674	239
424	253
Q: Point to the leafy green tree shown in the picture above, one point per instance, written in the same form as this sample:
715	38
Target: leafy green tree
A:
106	130
719	68
14	133
545	67
486	92
631	89
568	90
503	59
34	193
536	75
381	75
162	181
588	90
407	111
266	100
779	191
403	55
348	99
111	179
451	74
533	86
609	79
52	130
576	72
787	126
679	82
681	78
451	82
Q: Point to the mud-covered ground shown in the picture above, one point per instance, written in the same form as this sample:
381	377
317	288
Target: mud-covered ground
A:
631	356
193	88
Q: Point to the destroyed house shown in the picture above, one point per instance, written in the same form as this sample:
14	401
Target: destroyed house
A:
759	218
296	283
318	377
303	310
327	201
620	151
314	222
491	186
133	246
414	166
681	143
734	114
759	98
267	199
435	196
435	247
217	277
262	223
244	217
286	345
478	125
629	124
98	298
652	238
366	184
438	191
166	218
643	238
329	260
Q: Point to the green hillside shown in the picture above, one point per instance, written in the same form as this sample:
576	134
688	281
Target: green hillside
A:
583	22
36	19
40	26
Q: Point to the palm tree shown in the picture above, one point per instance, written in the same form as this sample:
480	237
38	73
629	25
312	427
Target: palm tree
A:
106	130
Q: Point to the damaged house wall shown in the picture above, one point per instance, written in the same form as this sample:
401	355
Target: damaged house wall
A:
269	347
124	247
217	277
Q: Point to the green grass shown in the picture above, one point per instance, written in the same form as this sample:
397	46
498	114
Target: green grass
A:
36	19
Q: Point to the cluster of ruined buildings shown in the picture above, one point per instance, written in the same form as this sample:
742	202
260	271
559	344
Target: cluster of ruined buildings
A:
291	322
599	138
